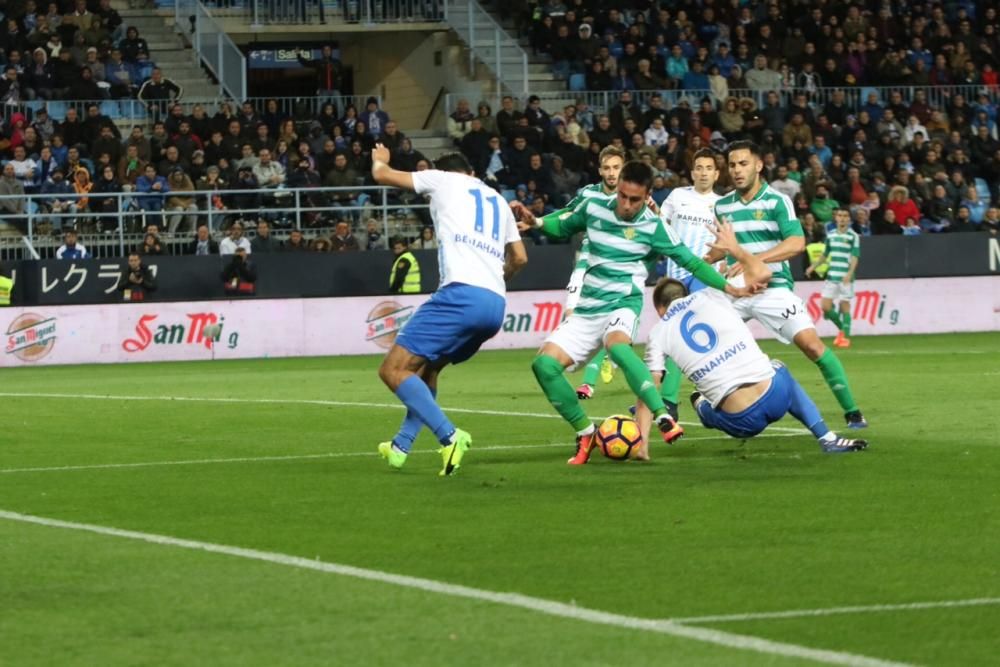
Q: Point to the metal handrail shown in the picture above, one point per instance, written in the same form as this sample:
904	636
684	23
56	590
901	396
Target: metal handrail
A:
136	110
605	100
212	46
287	208
464	16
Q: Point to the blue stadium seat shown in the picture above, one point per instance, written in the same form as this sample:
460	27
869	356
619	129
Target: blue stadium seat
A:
34	105
577	82
865	92
983	190
111	109
57	110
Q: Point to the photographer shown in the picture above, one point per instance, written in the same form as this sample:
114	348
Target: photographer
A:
136	280
239	275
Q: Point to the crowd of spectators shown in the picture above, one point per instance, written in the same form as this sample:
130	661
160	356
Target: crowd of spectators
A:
237	165
75	50
795	77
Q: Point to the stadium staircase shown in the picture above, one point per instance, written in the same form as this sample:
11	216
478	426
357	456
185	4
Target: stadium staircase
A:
488	37
170	51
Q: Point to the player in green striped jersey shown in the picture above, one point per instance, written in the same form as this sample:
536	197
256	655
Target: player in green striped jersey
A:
843	251
766	225
622	235
611	161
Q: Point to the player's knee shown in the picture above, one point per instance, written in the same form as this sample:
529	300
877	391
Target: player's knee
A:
814	349
546	367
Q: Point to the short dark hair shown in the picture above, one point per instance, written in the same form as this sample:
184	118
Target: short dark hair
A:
707	153
637	172
667	291
743	145
397	240
453	162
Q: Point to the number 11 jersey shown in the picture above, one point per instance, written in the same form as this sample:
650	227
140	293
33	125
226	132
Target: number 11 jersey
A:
710	343
473	224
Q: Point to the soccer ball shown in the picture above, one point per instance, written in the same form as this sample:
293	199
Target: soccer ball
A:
618	437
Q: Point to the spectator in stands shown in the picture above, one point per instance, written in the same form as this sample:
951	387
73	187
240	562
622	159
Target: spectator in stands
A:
342	176
507	117
269	174
234	240
329	71
901	205
374	118
151	188
343	240
295	242
373	236
71	248
427	241
157	92
475	145
202	244
136	281
56	199
263	242
12	202
460	122
406	157
105	200
485	114
564	182
172	161
133	45
181	203
82	185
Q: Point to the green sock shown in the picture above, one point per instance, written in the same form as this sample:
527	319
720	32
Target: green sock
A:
670	389
592	369
836	379
638	377
845	326
834	317
559	391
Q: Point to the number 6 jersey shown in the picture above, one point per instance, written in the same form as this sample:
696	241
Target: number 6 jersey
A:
710	343
473	224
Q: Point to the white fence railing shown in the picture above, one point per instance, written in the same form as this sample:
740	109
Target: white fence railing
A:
298	108
111	224
602	101
489	43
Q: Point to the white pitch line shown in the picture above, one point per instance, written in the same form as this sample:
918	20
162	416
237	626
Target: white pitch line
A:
318	402
336	455
539	605
832	611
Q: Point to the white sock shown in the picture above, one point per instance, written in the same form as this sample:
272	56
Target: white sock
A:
586	431
828	437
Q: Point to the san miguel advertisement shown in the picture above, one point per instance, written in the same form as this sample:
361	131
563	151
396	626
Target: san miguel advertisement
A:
369	325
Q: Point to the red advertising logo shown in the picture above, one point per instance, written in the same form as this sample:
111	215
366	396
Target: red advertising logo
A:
30	337
869	305
190	333
385	321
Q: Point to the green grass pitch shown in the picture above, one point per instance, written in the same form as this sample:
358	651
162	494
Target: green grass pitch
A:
712	527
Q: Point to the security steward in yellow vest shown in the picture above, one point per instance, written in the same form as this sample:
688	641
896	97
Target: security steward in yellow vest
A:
6	289
814	251
405	275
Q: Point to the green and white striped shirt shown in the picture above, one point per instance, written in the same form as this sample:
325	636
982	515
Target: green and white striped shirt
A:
595	191
840	247
760	224
616	267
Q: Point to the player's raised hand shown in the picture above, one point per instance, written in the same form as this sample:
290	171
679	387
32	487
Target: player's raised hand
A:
381	154
525	218
651	205
725	239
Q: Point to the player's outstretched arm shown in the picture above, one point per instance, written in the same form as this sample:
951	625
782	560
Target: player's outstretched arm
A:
516	259
386	175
